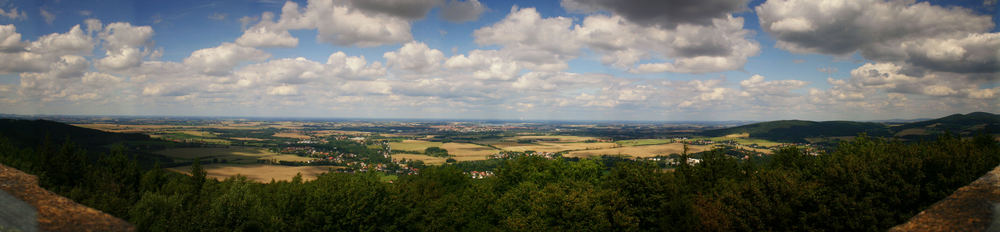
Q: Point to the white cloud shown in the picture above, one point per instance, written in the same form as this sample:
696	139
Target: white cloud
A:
341	24
222	59
539	44
951	39
122	43
36	56
284	90
415	57
267	34
10	40
72	42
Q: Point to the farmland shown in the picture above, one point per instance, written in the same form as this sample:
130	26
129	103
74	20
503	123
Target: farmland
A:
413	145
259	172
641	151
239	155
643	142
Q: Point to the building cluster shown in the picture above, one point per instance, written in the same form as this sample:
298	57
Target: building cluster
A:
479	174
509	154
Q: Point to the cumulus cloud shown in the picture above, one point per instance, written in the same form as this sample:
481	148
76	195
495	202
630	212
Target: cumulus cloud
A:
551	42
284	90
267	33
951	39
415	57
665	13
341	23
539	43
35	56
462	11
124	45
10	40
485	64
220	60
882	79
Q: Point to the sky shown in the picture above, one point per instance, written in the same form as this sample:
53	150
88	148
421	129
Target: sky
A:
669	60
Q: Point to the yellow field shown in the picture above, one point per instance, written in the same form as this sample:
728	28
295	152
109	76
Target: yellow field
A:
248	139
641	151
429	160
231	154
458	151
742	135
197	133
561	138
291	135
414	145
468	151
324	133
259	172
553	147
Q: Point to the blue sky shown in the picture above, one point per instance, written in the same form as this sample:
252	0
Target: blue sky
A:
573	59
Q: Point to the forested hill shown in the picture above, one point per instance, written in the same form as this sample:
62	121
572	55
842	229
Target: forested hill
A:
798	130
38	133
958	124
32	132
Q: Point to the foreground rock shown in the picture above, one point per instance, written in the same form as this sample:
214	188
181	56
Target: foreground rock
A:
971	208
54	212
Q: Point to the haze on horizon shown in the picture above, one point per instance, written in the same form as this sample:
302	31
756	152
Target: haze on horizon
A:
534	60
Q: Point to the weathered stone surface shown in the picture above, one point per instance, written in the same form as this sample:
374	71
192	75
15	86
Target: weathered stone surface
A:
54	212
970	208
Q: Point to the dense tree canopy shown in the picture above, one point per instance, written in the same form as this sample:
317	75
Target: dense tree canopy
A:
865	185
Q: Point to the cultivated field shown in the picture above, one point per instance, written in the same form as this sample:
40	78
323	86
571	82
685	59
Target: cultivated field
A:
746	141
468	151
555	138
643	142
554	147
641	151
291	135
243	155
458	151
259	172
414	145
429	160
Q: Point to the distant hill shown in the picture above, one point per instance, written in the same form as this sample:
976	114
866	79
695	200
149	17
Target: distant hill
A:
799	131
959	124
28	132
32	133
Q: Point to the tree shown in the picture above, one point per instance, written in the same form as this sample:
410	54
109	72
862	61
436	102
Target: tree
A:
436	152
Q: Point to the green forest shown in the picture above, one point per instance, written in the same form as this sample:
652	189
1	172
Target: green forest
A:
868	184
